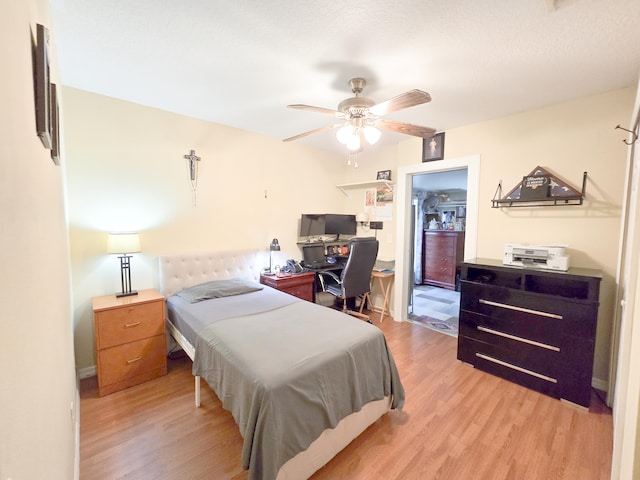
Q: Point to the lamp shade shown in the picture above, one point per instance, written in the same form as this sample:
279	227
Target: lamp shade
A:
362	217
372	134
274	246
123	243
354	142
344	133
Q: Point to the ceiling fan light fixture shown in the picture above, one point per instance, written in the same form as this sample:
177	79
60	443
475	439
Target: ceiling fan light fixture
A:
354	142
344	134
372	134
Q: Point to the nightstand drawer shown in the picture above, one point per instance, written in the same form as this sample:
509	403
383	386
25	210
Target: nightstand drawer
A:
143	359
305	292
129	323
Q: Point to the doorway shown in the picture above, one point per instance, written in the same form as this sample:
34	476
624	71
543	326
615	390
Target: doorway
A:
404	227
439	203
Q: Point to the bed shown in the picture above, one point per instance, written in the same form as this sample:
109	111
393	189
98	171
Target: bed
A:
300	380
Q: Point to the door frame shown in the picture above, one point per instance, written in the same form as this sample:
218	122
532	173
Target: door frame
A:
404	240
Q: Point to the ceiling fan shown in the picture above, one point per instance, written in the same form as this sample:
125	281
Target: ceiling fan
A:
361	117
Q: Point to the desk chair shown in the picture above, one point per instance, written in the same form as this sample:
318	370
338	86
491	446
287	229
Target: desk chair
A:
355	279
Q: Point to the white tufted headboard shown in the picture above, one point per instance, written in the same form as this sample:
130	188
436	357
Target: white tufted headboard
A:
182	271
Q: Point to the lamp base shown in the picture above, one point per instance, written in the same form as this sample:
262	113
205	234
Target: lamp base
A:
126	294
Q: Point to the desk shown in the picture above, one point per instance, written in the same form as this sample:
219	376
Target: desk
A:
385	279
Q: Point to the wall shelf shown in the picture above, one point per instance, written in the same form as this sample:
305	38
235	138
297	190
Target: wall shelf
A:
560	193
363	185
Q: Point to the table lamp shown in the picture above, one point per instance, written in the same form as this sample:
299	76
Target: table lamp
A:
124	243
274	246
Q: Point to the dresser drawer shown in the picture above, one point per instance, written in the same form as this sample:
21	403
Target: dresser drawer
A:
439	240
521	309
523	367
132	360
441	250
440	263
129	323
565	374
440	274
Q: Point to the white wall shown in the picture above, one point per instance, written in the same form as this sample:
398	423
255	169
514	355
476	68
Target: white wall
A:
126	172
38	393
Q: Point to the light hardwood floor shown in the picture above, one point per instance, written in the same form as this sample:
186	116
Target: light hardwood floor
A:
458	423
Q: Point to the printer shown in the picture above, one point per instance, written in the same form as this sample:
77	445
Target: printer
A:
551	257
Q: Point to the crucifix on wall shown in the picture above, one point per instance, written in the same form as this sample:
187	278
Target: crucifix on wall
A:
193	172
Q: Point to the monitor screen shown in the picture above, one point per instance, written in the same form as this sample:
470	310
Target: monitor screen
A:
313	254
340	224
312	225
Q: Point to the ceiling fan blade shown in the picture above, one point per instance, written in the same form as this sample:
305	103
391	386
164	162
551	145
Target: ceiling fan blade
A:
406	128
310	108
311	132
404	100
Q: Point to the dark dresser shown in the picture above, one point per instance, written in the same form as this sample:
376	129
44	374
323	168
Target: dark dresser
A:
442	252
533	327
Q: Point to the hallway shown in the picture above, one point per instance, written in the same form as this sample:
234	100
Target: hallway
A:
436	308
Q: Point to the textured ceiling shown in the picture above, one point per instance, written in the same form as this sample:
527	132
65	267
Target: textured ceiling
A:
239	63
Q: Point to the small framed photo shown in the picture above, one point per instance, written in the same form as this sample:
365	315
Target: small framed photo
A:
384	175
433	148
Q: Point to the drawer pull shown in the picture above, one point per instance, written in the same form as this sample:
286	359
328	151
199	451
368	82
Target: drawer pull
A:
134	360
514	367
520	309
129	325
519	339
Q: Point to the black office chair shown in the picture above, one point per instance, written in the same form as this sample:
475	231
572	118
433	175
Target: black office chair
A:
355	279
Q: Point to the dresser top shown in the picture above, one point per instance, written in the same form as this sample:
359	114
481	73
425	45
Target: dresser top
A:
107	302
575	271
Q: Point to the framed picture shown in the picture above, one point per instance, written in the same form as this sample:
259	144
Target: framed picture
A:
433	148
384	175
43	87
55	126
370	197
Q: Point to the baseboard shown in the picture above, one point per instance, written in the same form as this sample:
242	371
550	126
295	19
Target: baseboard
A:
599	384
87	372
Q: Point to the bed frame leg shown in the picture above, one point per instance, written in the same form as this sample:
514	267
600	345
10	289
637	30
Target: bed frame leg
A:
197	391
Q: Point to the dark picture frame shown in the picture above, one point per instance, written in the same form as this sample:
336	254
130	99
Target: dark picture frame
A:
42	86
55	126
384	175
433	148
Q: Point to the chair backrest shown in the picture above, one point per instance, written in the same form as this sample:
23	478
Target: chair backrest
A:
356	275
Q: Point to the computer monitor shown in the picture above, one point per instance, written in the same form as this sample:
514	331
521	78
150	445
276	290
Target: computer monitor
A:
313	254
337	224
312	225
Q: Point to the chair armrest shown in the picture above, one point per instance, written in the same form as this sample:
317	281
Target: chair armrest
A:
331	275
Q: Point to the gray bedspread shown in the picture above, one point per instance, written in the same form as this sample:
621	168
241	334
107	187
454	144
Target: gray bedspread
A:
291	371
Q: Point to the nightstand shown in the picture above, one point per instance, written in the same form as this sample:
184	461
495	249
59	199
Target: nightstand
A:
297	284
131	345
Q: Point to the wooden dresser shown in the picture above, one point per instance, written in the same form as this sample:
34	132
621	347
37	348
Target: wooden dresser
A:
131	345
442	252
298	284
533	327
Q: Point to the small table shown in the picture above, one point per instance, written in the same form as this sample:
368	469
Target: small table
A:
385	279
296	284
